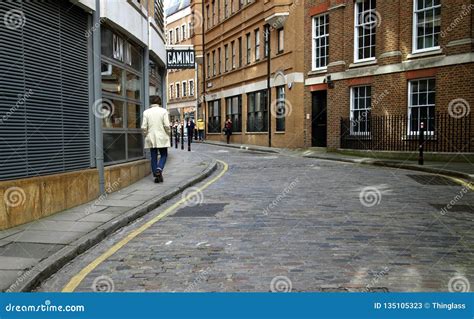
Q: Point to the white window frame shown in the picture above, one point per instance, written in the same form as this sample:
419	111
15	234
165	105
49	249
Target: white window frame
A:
415	30
184	88
313	45
233	55
410	107
171	91
281	40
214	63
176	85
356	35
257	44
171	37
183	31
191	87
352	132
177	30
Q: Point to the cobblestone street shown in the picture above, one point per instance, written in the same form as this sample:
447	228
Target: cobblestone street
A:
278	222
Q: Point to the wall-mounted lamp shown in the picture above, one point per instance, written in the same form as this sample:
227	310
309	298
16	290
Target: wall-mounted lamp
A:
330	82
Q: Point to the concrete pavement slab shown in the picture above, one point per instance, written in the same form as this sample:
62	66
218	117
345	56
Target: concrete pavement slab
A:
101	218
7	277
16	263
46	237
75	226
121	203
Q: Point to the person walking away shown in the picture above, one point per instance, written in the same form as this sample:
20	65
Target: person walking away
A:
200	126
156	128
228	129
190	127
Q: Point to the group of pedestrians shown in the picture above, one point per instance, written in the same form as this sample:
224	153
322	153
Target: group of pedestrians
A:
157	128
191	128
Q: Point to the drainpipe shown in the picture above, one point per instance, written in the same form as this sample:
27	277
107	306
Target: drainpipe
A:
203	97
97	83
269	89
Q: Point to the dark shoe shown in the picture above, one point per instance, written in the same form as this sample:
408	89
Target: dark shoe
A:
159	176
157	180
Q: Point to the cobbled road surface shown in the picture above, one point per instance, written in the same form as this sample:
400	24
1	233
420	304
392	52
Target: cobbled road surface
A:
283	222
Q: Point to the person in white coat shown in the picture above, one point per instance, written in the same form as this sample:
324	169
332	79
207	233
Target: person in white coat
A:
156	128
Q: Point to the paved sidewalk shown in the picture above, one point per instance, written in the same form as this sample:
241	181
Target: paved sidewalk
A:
455	169
33	251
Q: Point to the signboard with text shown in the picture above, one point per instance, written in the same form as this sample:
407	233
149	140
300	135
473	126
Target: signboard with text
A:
180	59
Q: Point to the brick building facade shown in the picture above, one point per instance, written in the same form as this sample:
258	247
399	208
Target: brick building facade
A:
184	31
381	59
236	71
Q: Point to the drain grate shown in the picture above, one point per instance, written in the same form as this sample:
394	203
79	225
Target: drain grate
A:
435	180
204	210
455	208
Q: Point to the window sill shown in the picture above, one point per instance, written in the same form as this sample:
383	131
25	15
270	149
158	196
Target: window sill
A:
318	71
421	54
363	63
280	132
256	133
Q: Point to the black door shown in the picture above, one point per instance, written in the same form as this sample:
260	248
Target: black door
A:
319	119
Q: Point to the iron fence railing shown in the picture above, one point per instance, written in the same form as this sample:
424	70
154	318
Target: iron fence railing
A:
442	133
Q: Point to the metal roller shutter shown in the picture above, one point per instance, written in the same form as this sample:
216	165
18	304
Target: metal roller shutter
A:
49	133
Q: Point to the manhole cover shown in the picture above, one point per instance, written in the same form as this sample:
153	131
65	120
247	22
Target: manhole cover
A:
204	210
454	208
433	180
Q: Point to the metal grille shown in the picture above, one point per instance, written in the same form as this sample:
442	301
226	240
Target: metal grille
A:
435	180
203	210
44	106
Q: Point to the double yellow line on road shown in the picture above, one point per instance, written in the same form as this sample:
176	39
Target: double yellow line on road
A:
77	279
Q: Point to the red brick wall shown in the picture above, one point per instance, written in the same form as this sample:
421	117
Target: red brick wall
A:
390	91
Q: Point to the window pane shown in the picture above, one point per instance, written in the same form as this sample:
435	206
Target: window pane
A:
111	79
112	114
133	116
135	145
114	147
133	86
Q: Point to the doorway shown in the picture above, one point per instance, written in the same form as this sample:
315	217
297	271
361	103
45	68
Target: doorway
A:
319	119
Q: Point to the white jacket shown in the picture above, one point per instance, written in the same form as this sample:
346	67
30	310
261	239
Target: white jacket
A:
156	127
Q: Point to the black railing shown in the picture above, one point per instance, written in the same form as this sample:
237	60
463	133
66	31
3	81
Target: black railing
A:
443	133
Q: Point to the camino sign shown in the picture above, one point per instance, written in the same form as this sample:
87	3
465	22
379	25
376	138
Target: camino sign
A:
180	59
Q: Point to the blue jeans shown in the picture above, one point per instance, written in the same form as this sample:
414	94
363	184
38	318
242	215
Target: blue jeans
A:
155	165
